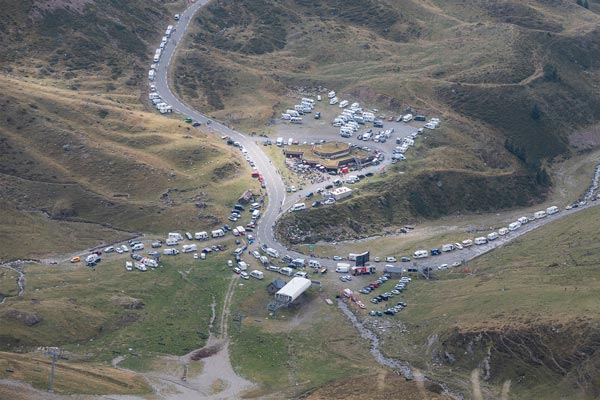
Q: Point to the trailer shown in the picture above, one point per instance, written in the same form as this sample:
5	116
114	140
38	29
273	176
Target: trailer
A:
217	233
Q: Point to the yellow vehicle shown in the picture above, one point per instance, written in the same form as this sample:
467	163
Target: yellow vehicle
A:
75	259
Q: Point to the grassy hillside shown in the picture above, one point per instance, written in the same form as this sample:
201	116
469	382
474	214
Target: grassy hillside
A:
80	142
526	316
511	80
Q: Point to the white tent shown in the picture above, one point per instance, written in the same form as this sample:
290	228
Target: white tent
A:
292	290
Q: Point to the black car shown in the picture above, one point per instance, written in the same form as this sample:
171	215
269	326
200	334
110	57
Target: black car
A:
359	137
369	174
419	118
316	203
196	123
405	259
309	195
330	186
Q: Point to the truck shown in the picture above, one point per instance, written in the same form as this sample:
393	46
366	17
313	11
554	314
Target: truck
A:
189	248
201	235
420	254
257	274
342	268
363	270
170	252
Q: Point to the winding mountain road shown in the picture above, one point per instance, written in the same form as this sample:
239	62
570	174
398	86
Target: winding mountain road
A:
276	192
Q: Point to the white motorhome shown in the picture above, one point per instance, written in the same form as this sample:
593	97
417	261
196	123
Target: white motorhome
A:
514	226
264	260
314	264
175	235
331	94
552	210
171	242
296	120
217	233
480	240
256	214
286	271
188	248
257	274
407	118
140	267
420	254
242	265
343	103
286	116
539	214
447	247
293	113
201	235
522	220
467	243
151	75
502	231
318	97
279	141
170	252
333	101
272	252
492	236
298	207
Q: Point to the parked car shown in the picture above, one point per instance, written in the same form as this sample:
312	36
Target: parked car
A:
75	259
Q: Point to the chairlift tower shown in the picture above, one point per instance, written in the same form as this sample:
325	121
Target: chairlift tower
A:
238	317
55	353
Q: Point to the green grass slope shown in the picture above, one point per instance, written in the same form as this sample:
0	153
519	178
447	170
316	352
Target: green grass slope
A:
511	80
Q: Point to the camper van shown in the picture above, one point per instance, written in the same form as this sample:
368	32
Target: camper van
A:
279	141
242	265
189	248
502	231
420	254
170	252
201	235
539	214
343	103
480	240
514	226
551	210
296	120
447	247
272	252
333	101
257	274
286	271
522	220
286	116
467	243
217	233
298	207
314	264
331	94
175	235
171	242
492	236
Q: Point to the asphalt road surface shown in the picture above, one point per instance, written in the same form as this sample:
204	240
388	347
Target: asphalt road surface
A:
277	204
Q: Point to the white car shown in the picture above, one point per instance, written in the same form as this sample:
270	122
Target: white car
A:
195	256
128	265
337	258
244	275
329	201
390	259
256	254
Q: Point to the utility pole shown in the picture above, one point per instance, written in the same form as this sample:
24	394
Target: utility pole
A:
55	353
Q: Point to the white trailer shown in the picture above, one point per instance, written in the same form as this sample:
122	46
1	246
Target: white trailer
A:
539	214
514	226
492	236
420	254
480	240
552	210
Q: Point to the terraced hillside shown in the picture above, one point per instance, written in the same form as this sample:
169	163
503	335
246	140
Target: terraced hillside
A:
511	80
84	160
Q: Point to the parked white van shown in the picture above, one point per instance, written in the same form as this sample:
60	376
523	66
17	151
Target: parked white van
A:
492	236
514	226
272	252
467	243
420	254
286	271
170	252
539	214
298	207
342	268
447	247
257	274
201	235
480	240
188	248
552	210
175	235
217	233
